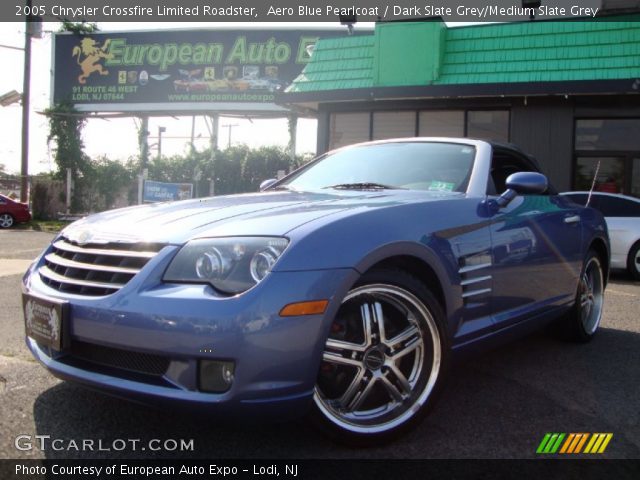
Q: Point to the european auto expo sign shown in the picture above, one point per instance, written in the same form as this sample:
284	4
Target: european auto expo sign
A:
179	69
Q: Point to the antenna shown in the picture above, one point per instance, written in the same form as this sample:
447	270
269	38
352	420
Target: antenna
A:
593	184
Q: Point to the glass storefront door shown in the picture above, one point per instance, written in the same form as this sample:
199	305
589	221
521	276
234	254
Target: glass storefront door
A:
612	147
610	174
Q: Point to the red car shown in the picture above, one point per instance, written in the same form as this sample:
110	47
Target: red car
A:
12	212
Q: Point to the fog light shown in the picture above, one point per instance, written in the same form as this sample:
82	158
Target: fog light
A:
216	376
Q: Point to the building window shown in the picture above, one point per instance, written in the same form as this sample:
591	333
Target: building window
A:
488	125
441	123
394	125
611	134
354	127
348	128
612	148
610	174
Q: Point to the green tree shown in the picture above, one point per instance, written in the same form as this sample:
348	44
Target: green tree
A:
237	169
264	163
227	167
65	129
109	179
79	28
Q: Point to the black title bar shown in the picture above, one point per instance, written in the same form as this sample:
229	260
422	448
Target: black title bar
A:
295	10
583	469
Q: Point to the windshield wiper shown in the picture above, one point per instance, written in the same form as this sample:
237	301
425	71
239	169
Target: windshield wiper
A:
362	186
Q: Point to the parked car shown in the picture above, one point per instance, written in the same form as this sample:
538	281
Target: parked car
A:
12	212
341	292
622	214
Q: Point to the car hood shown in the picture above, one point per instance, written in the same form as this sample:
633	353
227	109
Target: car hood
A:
268	213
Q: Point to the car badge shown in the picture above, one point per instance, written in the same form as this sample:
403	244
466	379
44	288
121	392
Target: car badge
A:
83	237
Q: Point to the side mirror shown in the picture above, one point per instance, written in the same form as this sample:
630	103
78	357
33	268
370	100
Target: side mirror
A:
521	183
266	184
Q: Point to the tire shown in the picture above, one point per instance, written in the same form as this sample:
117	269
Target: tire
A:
633	261
6	220
582	322
384	361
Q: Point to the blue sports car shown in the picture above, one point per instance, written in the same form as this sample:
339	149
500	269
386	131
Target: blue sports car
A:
341	292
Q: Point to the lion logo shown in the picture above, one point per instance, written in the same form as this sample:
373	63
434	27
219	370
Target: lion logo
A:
29	314
54	324
92	53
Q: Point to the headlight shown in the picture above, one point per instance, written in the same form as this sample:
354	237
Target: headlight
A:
230	264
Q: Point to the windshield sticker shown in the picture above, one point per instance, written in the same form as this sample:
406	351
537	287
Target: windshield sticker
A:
442	186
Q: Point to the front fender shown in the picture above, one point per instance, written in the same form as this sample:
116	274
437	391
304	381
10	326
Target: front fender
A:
445	273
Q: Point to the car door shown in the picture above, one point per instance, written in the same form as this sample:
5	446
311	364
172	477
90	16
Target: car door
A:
470	245
536	247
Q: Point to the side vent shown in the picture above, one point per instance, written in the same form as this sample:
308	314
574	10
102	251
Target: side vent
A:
474	279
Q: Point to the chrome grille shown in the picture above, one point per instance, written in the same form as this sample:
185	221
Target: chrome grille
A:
94	269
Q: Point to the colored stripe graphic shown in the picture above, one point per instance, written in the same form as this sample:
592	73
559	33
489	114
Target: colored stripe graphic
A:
590	444
567	443
605	443
578	438
598	443
553	443
556	445
581	443
550	443
543	443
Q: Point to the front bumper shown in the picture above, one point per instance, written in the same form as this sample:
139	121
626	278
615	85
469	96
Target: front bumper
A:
276	359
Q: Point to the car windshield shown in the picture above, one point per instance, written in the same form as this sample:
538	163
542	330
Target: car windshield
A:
403	165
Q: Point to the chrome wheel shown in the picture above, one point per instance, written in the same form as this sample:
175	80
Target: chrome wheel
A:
381	361
633	261
6	220
591	295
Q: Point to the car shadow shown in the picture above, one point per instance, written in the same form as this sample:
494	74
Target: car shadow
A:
498	405
623	277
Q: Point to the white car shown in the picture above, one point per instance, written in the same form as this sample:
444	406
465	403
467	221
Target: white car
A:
622	214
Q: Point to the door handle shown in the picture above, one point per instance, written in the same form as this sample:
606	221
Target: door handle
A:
572	219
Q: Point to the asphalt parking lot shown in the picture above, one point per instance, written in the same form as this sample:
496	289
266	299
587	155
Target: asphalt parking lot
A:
498	405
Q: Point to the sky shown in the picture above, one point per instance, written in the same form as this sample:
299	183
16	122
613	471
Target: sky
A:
116	138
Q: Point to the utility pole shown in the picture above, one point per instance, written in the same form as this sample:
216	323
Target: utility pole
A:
193	132
293	131
213	148
230	127
215	125
144	156
26	88
161	130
